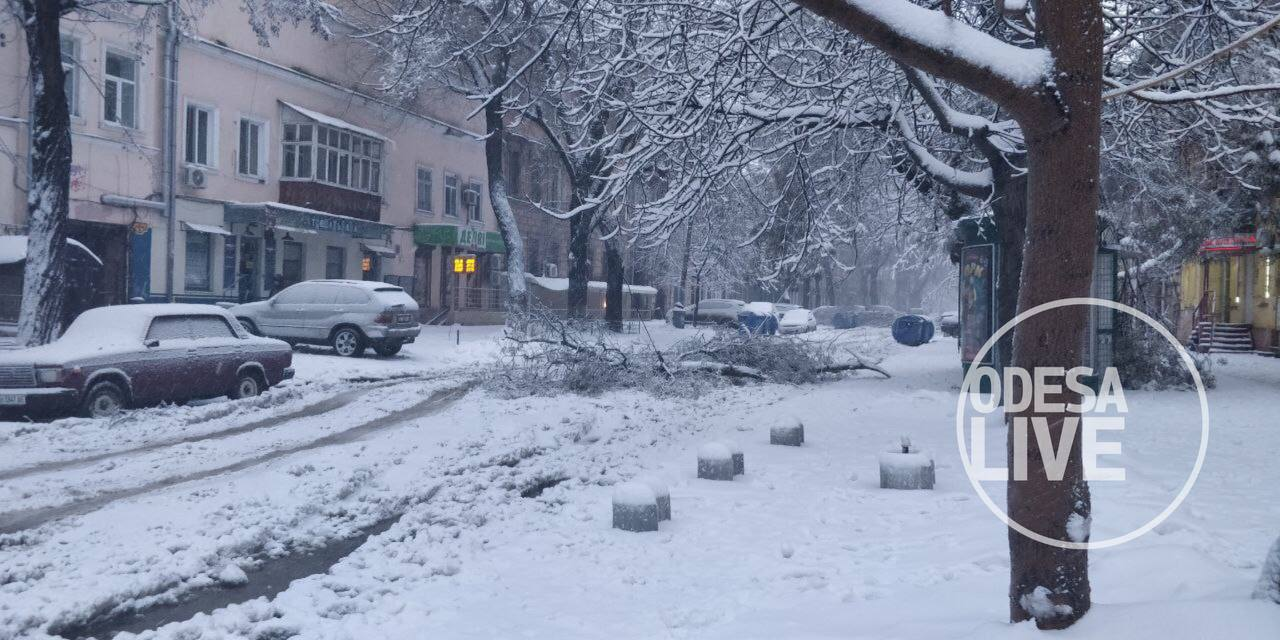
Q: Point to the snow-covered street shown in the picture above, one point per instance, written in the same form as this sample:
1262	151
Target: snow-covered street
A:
490	517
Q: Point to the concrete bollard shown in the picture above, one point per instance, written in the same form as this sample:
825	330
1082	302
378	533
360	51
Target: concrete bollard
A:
635	507
715	462
900	470
735	451
663	496
788	434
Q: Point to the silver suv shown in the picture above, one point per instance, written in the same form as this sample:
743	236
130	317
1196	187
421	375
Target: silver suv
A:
350	315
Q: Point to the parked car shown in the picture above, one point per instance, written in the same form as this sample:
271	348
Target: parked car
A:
847	317
798	321
783	307
876	315
715	311
949	323
759	318
111	358
349	315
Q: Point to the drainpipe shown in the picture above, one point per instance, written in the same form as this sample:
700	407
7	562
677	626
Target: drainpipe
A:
169	143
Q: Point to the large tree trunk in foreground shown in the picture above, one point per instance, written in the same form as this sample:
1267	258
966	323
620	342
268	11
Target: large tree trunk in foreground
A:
494	145
1009	209
44	279
1062	199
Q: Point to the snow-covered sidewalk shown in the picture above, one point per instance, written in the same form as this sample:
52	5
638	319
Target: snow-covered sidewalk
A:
804	546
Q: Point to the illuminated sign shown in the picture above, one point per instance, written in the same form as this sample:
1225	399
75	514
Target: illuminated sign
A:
1237	242
464	263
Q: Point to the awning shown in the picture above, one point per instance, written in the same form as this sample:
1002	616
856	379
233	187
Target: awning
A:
331	121
381	249
292	218
13	249
206	228
288	229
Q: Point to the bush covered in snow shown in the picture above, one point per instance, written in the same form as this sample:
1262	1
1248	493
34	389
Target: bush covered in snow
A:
1146	360
544	353
1269	582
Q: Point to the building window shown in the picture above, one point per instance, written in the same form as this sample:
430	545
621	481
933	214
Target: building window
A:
297	151
335	263
424	190
120	90
200	135
199	261
291	264
471	200
71	70
250	160
451	195
346	159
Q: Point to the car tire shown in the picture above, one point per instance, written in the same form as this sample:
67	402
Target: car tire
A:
388	349
349	342
248	385
104	400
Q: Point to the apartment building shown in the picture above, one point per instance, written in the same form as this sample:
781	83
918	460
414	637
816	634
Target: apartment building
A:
287	166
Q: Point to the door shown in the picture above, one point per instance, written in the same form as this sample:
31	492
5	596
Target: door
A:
291	263
248	275
162	370
322	309
284	316
216	354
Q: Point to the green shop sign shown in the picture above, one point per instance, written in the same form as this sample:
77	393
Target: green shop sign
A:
452	235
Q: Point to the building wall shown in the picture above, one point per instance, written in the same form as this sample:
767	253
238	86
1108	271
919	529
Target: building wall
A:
222	66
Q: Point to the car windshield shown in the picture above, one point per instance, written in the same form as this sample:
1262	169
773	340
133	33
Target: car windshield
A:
392	296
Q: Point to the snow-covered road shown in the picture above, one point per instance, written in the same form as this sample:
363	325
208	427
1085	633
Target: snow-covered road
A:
804	546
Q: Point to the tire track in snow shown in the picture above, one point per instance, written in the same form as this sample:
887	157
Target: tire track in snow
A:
17	521
324	406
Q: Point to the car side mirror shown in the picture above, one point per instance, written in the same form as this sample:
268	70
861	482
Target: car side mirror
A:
152	343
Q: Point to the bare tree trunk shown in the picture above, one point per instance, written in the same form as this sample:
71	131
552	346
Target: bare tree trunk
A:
579	263
1062	199
684	264
614	274
494	146
44	280
1009	208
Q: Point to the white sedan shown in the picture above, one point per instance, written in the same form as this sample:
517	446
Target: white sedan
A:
798	321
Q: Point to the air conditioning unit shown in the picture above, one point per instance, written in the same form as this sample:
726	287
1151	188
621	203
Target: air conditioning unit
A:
195	178
470	197
551	269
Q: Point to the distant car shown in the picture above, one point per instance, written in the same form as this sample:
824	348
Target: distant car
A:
112	358
758	318
797	321
715	311
877	315
826	314
349	315
949	323
782	308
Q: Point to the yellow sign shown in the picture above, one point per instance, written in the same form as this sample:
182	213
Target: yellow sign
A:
465	263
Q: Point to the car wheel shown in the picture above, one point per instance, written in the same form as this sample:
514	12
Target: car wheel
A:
348	342
105	399
247	386
387	349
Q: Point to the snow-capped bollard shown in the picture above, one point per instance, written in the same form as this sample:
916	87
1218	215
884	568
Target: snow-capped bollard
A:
715	462
663	496
739	462
635	507
789	434
905	468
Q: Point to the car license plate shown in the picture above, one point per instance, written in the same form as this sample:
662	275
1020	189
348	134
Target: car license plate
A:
12	400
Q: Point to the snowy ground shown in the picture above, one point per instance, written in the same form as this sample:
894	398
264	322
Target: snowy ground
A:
806	545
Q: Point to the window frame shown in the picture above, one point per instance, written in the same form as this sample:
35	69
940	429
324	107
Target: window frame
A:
431	189
71	71
451	199
342	264
211	145
262	151
136	82
186	261
475	213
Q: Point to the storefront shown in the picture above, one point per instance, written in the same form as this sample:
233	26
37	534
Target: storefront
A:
475	297
1232	283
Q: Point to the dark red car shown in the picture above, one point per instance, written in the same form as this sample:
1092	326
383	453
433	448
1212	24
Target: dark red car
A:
111	358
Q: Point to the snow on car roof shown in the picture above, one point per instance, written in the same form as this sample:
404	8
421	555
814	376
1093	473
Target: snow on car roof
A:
371	285
758	307
797	315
